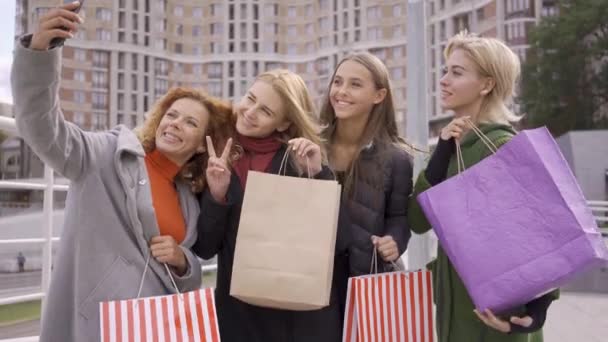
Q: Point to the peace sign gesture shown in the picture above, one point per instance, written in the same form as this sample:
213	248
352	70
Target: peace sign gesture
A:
218	172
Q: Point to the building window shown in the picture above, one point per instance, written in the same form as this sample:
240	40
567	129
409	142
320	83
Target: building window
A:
309	11
310	48
80	55
397	32
215	70
197	12
103	14
179	29
79	76
196	31
100	59
215	28
133	102
216	9
397	11
271	10
272	28
291	12
160	86
161	67
78	118
100	79
292	49
292	31
178	11
79	96
100	100
374	33
373	13
103	34
398	51
397	73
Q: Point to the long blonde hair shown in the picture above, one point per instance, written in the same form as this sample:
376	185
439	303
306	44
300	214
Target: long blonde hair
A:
495	60
381	128
297	104
220	127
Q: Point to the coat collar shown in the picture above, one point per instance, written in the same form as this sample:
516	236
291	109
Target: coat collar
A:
471	137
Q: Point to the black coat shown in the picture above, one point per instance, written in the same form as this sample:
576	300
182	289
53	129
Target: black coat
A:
378	205
238	321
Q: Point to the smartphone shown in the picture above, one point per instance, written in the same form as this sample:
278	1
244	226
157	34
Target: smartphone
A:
55	42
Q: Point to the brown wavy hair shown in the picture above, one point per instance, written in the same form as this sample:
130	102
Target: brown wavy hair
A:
381	128
221	126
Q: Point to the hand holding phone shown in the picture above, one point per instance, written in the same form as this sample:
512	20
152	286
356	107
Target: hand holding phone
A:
56	26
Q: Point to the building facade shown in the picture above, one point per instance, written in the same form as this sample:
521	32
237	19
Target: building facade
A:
128	53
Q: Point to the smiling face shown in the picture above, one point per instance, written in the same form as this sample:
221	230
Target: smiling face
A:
260	112
353	92
462	87
181	131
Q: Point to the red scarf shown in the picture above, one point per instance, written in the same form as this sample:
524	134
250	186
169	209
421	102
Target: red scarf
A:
257	155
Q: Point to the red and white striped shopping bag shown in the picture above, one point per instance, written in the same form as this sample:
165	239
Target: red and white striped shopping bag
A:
388	307
185	317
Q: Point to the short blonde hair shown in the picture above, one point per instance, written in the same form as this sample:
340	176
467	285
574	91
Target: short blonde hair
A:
220	127
497	61
297	104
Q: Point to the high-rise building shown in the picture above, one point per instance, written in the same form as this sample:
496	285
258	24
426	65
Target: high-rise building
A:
508	20
128	53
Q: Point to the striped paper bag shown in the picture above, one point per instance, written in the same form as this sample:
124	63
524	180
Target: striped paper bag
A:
396	306
185	317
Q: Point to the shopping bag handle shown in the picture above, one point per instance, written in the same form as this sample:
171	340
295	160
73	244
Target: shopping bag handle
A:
283	167
484	138
143	276
373	269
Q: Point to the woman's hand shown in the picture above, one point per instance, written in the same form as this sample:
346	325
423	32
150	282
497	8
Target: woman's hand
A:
387	247
307	155
218	172
489	319
165	250
60	22
455	129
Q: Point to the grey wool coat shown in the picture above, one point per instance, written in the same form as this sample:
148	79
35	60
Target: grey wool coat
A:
109	217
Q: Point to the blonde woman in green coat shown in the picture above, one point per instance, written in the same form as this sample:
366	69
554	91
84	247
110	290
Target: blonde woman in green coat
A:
478	83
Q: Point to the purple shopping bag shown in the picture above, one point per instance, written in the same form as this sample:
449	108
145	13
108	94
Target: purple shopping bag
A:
516	224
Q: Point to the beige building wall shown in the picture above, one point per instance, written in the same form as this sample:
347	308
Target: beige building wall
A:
128	53
508	20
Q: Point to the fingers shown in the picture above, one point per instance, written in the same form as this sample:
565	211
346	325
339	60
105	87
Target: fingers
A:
310	149
522	321
163	248
492	321
71	6
299	144
387	247
210	148
59	23
227	148
216	165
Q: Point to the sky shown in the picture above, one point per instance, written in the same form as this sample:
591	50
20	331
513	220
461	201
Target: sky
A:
7	29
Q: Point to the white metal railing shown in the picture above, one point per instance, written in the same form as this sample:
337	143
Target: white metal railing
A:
49	186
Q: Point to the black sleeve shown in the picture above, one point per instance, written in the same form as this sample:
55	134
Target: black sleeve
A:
437	169
211	225
537	309
395	213
342	235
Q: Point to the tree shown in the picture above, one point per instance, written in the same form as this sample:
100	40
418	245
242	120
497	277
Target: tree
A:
565	76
